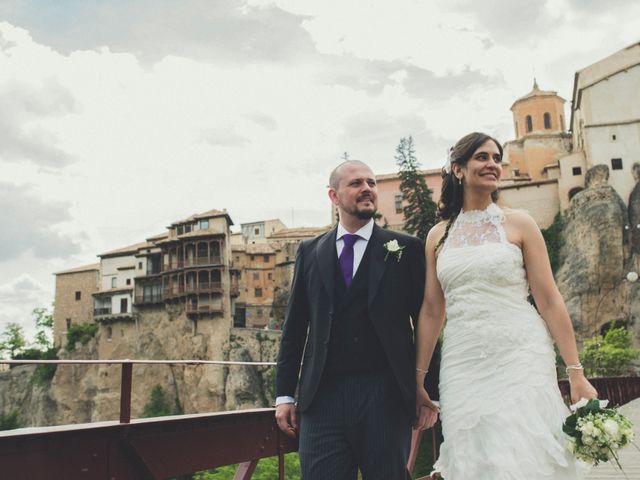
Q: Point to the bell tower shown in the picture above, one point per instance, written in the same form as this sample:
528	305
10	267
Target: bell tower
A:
538	112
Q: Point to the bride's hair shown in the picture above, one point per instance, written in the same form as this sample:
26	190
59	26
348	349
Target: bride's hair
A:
452	193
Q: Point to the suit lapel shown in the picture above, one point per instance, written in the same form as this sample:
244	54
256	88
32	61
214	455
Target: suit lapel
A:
326	258
376	261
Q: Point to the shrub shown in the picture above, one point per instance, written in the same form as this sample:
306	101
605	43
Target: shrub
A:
9	421
159	406
610	355
80	333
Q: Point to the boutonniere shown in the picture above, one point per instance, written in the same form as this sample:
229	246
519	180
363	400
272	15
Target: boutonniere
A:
394	248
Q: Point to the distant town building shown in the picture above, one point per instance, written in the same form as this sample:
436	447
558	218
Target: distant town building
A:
74	302
605	122
188	267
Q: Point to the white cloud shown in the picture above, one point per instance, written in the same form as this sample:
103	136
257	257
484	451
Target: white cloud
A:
122	117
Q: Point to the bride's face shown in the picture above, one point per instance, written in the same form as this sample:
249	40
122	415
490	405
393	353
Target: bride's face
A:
483	169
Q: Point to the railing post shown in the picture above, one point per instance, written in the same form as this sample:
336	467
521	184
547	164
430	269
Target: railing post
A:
125	393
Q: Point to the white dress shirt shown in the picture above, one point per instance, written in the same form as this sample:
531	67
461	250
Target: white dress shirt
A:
359	247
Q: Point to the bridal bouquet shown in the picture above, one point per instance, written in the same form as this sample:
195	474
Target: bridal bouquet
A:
596	433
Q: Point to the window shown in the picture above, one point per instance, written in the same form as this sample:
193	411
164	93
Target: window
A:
253	258
547	121
128	281
256	276
577	171
139	265
256	231
204	224
286	259
187	228
114	282
613	137
265	258
180	230
124	306
259	312
515	172
270	276
398	202
529	123
109	333
237	258
68	323
258	292
78	296
616	164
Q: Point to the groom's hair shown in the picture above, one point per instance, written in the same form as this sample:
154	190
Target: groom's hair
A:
334	178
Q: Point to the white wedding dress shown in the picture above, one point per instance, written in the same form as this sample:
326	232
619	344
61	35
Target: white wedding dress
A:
502	411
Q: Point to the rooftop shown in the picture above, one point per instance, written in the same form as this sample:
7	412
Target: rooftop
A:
208	214
130	249
84	268
536	92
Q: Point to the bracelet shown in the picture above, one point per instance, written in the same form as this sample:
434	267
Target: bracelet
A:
577	366
419	370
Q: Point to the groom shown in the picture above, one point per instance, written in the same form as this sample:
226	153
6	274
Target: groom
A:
348	326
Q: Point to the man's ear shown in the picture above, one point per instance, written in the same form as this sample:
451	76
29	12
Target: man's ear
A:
333	196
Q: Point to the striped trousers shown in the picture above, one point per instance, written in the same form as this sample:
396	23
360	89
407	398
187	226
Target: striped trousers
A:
356	421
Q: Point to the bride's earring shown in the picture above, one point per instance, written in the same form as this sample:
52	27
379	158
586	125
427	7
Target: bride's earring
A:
459	181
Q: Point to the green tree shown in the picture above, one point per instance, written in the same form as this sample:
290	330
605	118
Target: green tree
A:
9	421
159	406
44	328
554	240
13	340
610	355
419	210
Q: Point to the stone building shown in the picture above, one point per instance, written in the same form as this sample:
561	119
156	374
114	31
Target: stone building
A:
256	264
73	299
605	121
264	255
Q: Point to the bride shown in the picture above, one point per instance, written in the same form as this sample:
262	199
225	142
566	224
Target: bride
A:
502	411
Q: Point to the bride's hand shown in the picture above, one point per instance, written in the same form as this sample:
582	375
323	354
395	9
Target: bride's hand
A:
580	387
426	410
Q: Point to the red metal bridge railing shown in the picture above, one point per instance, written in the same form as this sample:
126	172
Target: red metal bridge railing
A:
164	447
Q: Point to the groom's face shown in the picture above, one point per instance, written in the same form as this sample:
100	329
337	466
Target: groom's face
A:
357	192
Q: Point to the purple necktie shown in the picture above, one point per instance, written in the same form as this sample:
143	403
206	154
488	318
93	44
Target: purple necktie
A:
346	258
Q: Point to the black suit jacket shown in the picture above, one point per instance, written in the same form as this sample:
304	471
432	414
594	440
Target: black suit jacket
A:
396	290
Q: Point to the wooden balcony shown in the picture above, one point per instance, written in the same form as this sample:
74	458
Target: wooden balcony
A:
196	310
149	299
204	287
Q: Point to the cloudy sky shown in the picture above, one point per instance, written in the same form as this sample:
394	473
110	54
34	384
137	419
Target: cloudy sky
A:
119	117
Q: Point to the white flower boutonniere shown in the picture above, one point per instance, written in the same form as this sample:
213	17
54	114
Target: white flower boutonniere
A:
394	248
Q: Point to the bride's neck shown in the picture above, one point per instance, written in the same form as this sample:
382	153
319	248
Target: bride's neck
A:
476	201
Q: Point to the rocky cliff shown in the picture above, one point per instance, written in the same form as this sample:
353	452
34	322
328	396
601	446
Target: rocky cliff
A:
90	393
599	251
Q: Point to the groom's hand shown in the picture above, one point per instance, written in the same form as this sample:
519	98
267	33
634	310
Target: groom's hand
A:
287	419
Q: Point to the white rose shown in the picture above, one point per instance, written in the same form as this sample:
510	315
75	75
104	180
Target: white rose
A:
611	427
632	277
587	440
393	246
587	428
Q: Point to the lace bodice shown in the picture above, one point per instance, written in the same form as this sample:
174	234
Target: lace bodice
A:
479	265
477	227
